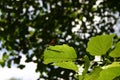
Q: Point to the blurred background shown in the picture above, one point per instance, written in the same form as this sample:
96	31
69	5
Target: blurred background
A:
27	27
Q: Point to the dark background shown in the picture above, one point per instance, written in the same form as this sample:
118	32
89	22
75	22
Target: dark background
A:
32	24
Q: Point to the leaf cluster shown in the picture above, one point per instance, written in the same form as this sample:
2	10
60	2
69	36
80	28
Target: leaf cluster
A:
28	26
64	56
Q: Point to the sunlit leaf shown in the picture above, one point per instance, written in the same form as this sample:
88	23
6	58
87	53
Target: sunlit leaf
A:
81	77
68	65
99	45
94	74
59	53
116	51
114	64
110	72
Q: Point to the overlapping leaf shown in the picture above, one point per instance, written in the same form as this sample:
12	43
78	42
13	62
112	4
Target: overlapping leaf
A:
68	65
94	74
110	72
59	53
86	64
116	51
99	45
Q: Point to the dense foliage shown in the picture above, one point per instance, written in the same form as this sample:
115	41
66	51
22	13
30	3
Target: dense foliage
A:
28	26
64	56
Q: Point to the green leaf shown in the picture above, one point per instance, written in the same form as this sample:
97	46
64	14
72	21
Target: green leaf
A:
94	74
99	45
110	72
116	51
81	77
68	65
114	64
59	53
86	64
5	56
2	62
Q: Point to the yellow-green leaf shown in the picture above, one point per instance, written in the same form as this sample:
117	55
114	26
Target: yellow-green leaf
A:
67	65
94	74
99	45
110	72
59	53
116	51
